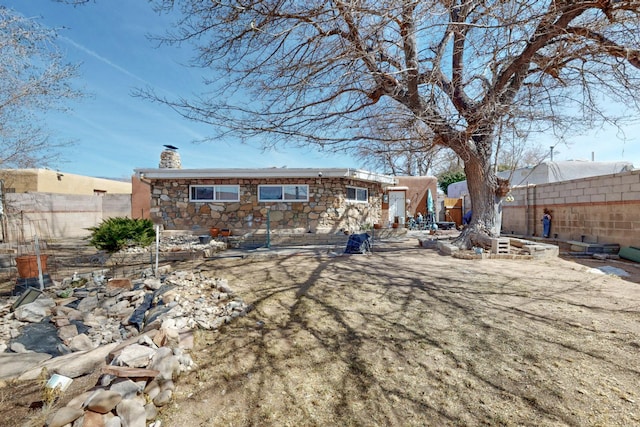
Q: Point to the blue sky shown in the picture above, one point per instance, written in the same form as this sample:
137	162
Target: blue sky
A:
116	133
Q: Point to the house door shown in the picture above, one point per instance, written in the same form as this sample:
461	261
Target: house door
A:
396	206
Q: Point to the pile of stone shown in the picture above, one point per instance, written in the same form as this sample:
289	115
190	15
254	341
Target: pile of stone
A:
138	381
180	243
137	326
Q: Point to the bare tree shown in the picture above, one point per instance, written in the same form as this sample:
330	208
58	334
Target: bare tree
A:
33	80
401	158
397	145
313	71
407	148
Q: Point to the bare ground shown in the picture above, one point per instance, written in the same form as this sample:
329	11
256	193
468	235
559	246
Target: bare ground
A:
408	337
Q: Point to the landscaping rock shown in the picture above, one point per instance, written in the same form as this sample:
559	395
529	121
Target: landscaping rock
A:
163	398
81	343
92	419
67	332
151	411
79	400
113	422
132	413
72	365
13	364
64	416
133	330
35	311
88	304
135	356
126	388
103	401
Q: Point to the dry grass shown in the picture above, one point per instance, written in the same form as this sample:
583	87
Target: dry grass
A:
412	338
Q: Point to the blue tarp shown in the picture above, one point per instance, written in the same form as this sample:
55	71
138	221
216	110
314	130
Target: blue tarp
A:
358	244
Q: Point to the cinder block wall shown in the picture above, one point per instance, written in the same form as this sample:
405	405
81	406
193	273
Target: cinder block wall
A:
116	205
53	216
602	209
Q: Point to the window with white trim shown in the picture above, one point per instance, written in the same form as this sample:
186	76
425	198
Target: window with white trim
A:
283	193
214	193
357	194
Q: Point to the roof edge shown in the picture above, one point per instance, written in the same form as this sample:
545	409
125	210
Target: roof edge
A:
168	173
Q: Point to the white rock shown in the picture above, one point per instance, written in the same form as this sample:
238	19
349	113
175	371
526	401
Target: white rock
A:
126	388
34	311
166	363
72	365
151	411
146	340
14	364
92	321
18	347
64	416
113	422
163	398
135	356
78	401
120	310
108	303
167	385
132	413
67	332
89	303
81	343
153	283
152	389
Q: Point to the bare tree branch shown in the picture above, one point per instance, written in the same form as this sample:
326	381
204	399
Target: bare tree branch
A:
468	71
33	79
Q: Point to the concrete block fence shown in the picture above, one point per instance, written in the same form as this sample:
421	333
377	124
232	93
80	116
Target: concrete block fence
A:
53	216
601	209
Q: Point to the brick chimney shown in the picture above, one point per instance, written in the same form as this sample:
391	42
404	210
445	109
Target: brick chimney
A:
170	159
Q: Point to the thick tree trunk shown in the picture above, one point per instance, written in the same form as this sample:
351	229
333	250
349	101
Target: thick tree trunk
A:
486	192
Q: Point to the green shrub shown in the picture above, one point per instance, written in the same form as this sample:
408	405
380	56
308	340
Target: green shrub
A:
447	178
114	234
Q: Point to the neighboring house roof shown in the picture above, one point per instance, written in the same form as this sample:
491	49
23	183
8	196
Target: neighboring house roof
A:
547	172
51	181
172	173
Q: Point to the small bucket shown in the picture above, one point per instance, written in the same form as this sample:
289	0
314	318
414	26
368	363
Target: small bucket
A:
28	265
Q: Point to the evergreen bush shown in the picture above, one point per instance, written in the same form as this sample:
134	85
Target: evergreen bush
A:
116	233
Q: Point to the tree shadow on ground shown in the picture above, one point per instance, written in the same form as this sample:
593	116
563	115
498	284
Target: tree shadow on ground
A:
416	340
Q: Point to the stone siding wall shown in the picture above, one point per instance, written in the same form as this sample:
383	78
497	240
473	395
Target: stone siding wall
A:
326	211
602	209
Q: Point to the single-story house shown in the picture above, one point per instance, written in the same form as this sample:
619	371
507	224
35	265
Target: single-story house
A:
245	200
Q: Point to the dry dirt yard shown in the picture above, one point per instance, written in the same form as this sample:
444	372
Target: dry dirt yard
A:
408	337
